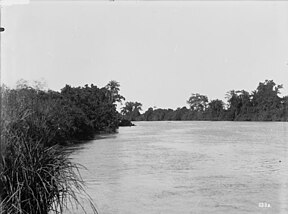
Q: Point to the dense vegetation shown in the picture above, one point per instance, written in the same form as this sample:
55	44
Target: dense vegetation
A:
262	104
36	174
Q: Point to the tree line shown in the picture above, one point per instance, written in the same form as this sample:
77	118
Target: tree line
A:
262	104
74	113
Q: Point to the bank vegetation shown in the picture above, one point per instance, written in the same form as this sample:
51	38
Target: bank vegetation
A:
36	173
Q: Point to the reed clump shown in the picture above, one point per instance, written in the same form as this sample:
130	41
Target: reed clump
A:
37	179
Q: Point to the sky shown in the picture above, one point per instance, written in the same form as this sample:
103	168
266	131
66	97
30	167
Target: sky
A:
160	52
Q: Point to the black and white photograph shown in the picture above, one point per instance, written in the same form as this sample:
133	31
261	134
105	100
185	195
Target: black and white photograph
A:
143	107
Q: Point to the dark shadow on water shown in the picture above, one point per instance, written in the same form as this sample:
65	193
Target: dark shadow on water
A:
80	144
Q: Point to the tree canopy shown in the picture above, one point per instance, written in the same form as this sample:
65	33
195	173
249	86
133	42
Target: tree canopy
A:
262	104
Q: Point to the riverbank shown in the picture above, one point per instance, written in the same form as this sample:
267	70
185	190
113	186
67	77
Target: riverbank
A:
37	175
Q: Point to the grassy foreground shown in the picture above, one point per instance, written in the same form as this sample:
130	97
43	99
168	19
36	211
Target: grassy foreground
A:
36	174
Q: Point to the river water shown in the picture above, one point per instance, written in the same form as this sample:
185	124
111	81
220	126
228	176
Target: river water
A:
188	167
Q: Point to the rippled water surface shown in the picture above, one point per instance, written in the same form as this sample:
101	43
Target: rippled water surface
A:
188	167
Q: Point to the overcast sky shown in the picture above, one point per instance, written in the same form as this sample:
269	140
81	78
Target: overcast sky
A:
160	52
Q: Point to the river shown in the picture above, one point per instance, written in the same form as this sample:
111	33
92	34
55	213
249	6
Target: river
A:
188	167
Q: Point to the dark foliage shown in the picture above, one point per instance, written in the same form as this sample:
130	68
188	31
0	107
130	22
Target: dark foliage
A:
125	122
72	114
131	110
263	104
36	174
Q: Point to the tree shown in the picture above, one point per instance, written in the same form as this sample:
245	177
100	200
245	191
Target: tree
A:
216	108
149	114
266	101
131	110
96	105
197	102
239	105
114	87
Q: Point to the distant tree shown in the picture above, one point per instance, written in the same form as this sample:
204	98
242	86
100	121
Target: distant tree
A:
147	116
131	110
38	85
181	114
239	105
215	109
265	100
158	114
20	84
262	104
114	87
198	102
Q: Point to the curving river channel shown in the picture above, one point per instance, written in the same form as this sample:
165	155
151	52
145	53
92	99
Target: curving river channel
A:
188	167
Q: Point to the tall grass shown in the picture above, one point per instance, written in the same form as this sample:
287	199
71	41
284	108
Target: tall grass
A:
35	177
